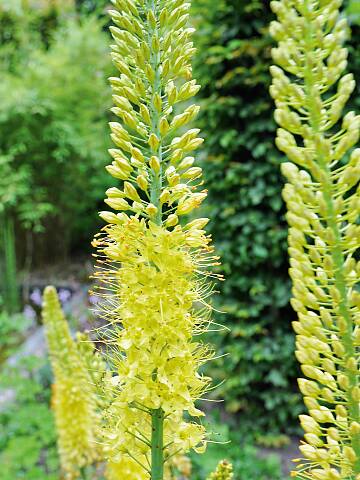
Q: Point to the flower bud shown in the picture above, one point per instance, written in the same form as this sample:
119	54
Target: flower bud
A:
130	120
155	163
144	112
117	203
165	196
323	415
154	142
172	220
176	156
120	142
187	162
171	93
313	440
157	102
137	154
192	173
164	126
131	192
188	90
151	210
114	192
349	454
109	217
117	172
142	182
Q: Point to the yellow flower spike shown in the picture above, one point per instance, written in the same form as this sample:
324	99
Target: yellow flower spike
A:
74	395
224	471
322	197
150	266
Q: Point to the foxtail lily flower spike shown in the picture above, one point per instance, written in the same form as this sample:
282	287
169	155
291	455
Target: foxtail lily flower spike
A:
322	196
74	398
151	269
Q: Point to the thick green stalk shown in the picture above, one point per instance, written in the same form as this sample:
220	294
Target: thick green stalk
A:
157	442
157	416
347	335
156	183
11	298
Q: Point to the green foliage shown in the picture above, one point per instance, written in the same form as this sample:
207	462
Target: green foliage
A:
353	11
12	329
244	182
27	432
28	437
242	172
53	124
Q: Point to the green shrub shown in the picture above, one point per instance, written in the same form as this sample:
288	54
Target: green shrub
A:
27	431
12	331
55	100
244	181
243	177
354	11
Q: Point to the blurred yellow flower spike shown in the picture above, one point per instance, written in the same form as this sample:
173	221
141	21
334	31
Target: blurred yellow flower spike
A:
310	91
74	400
151	269
224	471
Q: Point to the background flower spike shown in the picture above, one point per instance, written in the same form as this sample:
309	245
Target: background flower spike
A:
74	399
310	91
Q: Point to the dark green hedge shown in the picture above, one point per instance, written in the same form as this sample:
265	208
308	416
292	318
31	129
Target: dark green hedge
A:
248	225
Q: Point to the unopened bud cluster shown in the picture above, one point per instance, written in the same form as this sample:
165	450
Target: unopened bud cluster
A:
152	52
152	269
322	196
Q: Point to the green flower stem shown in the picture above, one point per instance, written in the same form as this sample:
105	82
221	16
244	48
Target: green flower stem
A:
347	336
327	188
157	442
155	60
157	416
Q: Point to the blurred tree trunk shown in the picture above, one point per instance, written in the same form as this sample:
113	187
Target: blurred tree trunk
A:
9	276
